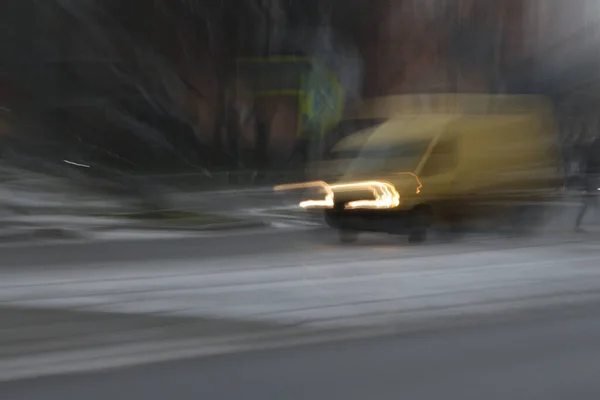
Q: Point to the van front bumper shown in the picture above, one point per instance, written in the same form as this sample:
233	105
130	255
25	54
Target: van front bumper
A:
384	220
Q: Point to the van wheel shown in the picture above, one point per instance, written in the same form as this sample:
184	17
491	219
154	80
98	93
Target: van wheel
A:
456	229
347	236
420	222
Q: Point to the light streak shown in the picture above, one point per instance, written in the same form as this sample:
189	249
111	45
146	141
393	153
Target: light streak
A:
327	202
386	195
416	177
76	164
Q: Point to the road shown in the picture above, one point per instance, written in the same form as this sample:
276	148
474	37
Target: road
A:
487	317
555	356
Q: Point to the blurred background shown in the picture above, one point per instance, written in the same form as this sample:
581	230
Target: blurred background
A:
212	93
140	141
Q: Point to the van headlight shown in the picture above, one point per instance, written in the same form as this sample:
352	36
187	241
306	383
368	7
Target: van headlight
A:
384	193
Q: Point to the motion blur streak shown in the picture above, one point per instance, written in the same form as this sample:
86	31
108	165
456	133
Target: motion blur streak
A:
389	197
418	190
327	202
386	195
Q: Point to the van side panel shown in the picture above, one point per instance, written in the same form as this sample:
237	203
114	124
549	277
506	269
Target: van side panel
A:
504	156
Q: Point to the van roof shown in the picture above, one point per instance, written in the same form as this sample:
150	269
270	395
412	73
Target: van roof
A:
399	129
412	126
422	126
476	104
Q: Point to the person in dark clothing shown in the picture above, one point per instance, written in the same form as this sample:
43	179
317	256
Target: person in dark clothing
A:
591	181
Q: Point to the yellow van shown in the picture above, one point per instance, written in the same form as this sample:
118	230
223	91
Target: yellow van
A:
491	157
361	119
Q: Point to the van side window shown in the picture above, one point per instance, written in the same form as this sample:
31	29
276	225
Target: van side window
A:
443	157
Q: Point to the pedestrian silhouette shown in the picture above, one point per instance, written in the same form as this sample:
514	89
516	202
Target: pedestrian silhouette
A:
590	181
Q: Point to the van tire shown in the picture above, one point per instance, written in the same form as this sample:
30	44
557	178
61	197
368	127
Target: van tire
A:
347	236
420	223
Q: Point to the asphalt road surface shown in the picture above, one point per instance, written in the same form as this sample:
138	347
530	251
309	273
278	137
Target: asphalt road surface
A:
550	352
553	356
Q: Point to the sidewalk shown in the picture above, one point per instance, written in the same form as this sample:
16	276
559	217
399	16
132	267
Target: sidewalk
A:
77	227
56	215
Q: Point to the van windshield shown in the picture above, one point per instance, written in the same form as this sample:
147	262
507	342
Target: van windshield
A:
402	157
